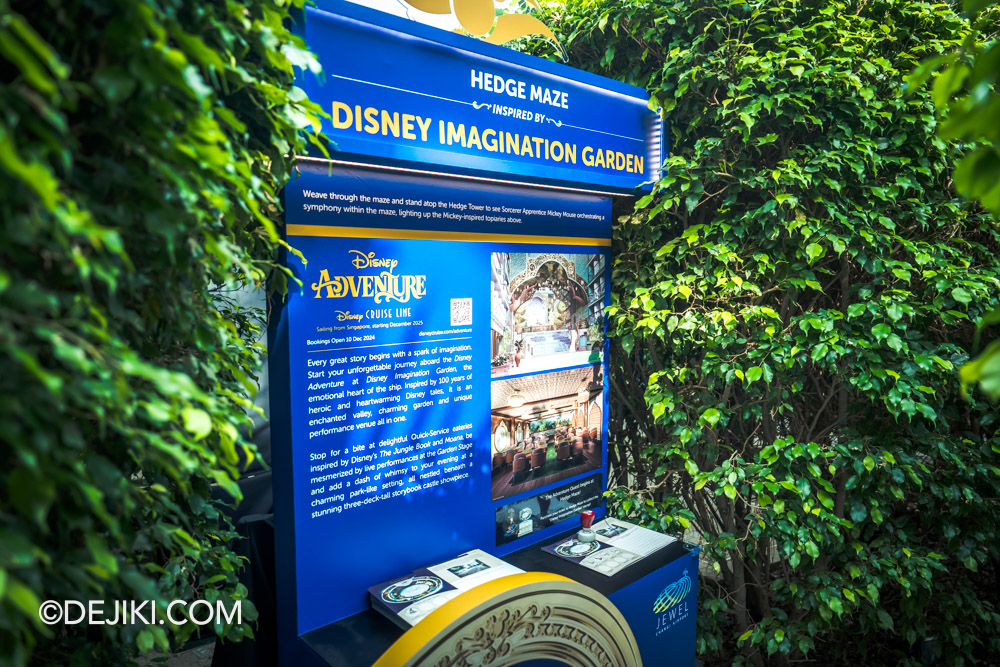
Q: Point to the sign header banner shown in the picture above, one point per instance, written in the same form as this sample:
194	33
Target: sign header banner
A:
405	94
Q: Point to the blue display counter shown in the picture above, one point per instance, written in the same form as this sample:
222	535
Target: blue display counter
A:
665	638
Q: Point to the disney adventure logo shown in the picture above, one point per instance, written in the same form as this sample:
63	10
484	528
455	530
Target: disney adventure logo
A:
671	605
383	286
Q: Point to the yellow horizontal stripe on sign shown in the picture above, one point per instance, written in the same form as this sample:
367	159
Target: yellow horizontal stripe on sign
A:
428	235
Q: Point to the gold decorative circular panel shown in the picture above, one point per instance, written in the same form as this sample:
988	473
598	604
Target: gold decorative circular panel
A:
530	616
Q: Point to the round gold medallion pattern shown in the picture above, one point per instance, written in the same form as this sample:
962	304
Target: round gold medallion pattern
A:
530	616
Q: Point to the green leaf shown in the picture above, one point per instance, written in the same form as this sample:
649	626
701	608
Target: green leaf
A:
145	641
985	370
628	342
825	499
691	202
197	422
961	295
819	352
23	597
949	81
115	83
814	251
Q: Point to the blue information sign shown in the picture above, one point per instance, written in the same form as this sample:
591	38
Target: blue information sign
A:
445	382
404	93
438	375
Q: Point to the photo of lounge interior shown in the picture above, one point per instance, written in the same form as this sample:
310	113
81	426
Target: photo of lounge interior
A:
545	428
545	311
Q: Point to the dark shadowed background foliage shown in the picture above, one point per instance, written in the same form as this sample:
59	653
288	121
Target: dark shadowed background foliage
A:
141	150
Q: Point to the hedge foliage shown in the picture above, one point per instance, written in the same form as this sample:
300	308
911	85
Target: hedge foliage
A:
968	89
790	307
142	144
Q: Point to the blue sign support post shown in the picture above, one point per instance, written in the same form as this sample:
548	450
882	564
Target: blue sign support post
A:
438	368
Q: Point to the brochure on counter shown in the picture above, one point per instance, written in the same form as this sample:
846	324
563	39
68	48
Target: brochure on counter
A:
407	600
618	545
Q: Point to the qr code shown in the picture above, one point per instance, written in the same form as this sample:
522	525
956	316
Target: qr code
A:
461	312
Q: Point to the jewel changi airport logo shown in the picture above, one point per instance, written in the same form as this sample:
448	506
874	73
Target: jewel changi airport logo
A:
671	605
672	594
479	19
